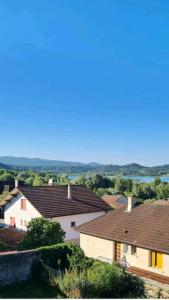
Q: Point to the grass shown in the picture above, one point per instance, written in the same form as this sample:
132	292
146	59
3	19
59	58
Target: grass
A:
30	289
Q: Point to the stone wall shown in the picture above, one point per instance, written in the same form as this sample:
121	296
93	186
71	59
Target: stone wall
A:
16	266
155	291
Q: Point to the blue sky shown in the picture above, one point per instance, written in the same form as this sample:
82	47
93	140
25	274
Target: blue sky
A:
85	80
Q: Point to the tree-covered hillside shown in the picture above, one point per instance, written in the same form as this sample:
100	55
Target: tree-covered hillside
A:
57	166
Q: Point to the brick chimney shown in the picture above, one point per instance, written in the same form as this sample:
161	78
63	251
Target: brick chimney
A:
50	182
130	202
69	192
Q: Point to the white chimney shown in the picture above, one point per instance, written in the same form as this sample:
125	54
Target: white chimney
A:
16	183
50	182
69	192
130	202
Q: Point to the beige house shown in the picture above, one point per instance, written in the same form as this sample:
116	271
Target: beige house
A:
69	205
134	237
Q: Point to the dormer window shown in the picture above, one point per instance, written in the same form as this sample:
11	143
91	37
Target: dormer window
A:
23	204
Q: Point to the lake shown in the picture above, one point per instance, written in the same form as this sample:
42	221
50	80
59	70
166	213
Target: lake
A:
134	178
146	178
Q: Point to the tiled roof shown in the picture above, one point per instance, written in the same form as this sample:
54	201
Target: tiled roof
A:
145	226
52	201
11	236
115	201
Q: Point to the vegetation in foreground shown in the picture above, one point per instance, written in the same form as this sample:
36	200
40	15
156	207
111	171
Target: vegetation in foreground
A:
41	232
65	272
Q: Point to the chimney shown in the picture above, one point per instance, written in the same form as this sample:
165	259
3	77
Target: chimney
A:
50	182
69	192
130	202
16	183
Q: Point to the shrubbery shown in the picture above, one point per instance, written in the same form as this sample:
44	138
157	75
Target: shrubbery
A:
101	281
81	277
41	232
65	256
4	246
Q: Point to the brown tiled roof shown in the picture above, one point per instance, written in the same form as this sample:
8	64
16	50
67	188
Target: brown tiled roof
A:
145	226
11	236
52	201
114	200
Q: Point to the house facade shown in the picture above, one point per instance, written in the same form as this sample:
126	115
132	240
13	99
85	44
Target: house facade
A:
134	237
70	206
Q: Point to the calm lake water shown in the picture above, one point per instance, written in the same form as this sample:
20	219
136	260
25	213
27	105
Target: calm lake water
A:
146	178
134	178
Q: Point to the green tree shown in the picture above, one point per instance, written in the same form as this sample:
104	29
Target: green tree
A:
37	181
162	191
123	185
157	181
42	232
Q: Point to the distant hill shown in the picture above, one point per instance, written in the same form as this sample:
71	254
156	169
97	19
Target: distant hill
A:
35	162
3	166
58	166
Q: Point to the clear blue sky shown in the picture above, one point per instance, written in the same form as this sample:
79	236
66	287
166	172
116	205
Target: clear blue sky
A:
85	80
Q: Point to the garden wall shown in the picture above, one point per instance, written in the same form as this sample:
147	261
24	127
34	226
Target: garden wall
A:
16	266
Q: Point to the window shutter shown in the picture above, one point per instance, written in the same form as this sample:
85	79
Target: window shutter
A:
23	203
153	259
159	260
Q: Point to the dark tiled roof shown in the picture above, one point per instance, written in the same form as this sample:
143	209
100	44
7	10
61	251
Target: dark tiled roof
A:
145	226
52	201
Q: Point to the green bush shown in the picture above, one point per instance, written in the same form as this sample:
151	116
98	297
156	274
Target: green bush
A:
65	256
77	260
101	281
56	256
4	246
41	232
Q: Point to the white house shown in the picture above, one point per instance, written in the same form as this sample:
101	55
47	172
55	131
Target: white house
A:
69	205
137	237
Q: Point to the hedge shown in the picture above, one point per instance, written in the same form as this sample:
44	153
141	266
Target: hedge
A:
64	256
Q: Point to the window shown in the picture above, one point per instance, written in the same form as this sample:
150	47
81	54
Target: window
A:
133	250
73	224
21	222
12	222
126	248
23	203
156	260
25	223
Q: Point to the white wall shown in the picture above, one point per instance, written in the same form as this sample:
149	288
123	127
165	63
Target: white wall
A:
13	209
65	222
